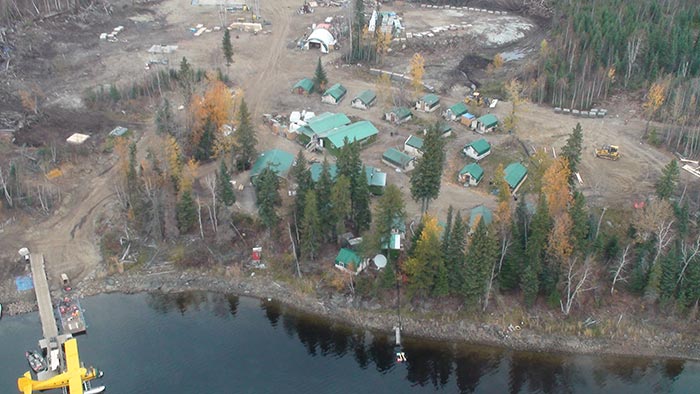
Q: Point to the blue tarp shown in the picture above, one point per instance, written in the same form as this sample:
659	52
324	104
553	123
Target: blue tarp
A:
24	283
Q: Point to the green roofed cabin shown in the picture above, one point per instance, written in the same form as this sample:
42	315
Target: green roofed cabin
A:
455	111
334	94
364	100
398	159
319	126
428	103
478	149
471	175
413	146
376	179
398	115
362	132
477	214
305	87
349	261
485	123
515	175
279	160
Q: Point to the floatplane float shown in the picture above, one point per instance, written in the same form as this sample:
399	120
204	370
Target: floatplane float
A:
75	378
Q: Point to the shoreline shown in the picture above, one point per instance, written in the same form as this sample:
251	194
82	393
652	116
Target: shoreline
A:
344	310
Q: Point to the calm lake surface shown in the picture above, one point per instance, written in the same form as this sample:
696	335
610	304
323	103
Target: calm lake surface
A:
215	344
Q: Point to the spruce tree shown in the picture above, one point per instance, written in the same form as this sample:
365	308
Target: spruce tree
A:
227	47
323	195
341	202
482	252
535	251
206	143
448	229
186	212
224	188
360	195
390	210
164	118
320	79
572	150
509	278
422	266
666	186
267	196
302	176
246	139
670	267
310	227
185	77
580	225
427	174
442	286
454	254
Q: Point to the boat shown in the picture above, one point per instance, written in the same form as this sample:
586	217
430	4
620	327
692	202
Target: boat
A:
95	390
0	311
36	361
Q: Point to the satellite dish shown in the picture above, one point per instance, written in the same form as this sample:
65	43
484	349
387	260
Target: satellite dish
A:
380	261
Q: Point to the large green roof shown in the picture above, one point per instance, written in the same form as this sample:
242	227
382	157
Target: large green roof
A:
514	174
306	84
366	97
459	109
488	120
474	170
279	160
347	256
327	121
397	157
354	132
337	91
481	146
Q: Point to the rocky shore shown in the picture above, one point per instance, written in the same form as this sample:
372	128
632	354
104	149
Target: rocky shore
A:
370	316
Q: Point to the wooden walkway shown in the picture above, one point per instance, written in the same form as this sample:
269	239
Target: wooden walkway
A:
43	296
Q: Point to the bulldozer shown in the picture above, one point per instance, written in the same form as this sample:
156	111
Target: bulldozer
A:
474	99
610	152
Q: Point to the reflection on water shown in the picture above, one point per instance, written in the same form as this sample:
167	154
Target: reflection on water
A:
441	366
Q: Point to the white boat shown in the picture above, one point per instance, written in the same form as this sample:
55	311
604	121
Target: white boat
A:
95	390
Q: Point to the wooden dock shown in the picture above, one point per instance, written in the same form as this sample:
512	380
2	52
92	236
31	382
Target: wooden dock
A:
43	296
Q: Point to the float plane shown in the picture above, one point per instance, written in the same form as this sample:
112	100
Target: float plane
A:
72	378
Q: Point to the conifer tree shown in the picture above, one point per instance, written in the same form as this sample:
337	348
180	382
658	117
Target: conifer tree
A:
510	272
572	150
448	229
535	251
341	202
323	193
482	252
427	174
666	186
422	266
310	227
267	196
670	267
302	176
360	199
206	143
227	47
246	139
185	77
186	212
390	210
442	285
454	254
224	188
320	79
580	224
164	118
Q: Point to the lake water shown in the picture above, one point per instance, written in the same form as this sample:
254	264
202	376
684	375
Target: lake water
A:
216	344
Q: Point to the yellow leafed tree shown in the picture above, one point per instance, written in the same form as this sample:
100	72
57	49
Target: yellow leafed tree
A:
218	104
196	120
555	186
384	90
173	155
498	61
417	71
189	174
121	147
559	244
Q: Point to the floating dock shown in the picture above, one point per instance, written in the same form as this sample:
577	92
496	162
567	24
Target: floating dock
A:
71	314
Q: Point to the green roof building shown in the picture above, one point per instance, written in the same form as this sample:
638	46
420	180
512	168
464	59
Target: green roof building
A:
413	146
485	123
428	103
398	115
279	160
398	159
305	86
471	174
455	111
478	149
356	132
364	100
346	258
477	214
334	94
515	175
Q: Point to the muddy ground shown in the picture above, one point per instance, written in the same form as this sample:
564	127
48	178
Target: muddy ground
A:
59	58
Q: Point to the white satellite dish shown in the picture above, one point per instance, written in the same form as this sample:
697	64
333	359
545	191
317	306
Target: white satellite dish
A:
380	261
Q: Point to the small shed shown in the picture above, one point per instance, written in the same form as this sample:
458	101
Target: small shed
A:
485	123
478	149
349	261
413	146
455	111
305	87
398	159
428	103
118	131
334	94
398	115
467	119
376	179
515	175
471	175
279	161
77	138
364	100
477	214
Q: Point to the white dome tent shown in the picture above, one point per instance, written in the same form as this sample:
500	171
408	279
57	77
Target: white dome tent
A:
320	38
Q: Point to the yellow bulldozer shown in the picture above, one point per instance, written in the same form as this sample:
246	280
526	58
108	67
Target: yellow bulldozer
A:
610	152
474	99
